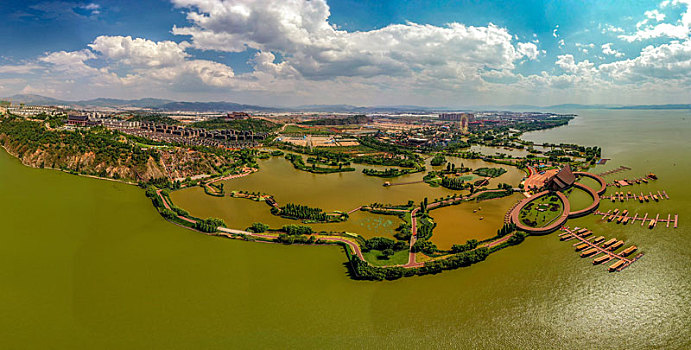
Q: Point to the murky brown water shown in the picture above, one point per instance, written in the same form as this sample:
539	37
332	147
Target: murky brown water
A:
344	192
89	264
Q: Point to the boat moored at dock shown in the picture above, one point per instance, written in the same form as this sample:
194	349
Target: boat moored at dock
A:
601	259
609	242
589	252
628	251
616	265
616	245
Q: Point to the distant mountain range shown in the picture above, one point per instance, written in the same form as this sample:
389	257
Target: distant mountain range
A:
99	102
221	106
214	107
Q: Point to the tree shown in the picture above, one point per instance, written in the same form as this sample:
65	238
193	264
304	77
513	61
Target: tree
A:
258	227
388	252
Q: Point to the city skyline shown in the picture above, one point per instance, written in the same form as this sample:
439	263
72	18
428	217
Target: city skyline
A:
341	52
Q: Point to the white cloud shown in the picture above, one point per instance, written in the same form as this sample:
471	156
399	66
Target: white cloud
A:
299	30
679	30
20	69
300	56
608	50
94	8
569	65
528	50
668	61
612	29
140	52
72	62
655	14
554	32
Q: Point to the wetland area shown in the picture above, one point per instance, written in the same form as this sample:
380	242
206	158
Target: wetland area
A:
92	265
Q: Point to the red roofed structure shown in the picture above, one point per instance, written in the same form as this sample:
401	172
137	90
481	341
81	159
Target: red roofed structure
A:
562	180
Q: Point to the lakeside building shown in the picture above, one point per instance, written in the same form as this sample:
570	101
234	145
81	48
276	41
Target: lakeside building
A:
561	180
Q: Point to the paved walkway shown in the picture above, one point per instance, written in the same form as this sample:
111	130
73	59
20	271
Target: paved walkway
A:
413	239
412	263
165	203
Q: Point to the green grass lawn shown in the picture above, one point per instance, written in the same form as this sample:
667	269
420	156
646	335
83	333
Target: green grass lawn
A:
539	213
399	258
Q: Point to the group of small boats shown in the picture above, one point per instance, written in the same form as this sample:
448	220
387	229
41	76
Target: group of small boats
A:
650	176
642	197
599	245
623	218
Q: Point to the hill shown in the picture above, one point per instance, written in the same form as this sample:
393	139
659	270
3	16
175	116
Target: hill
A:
214	107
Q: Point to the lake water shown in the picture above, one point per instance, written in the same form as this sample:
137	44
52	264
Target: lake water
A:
86	263
347	191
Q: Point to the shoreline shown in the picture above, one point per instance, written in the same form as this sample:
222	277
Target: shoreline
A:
65	171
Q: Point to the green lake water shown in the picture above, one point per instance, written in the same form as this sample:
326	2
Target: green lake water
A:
87	263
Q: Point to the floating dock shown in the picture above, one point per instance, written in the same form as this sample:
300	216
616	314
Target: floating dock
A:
621	196
623	218
594	247
629	182
614	171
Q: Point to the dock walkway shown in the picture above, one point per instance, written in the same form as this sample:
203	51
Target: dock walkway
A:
600	249
614	171
643	219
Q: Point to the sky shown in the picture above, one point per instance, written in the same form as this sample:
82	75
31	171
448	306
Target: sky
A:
366	53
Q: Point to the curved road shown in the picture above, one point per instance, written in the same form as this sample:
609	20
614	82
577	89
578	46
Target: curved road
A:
227	232
598	178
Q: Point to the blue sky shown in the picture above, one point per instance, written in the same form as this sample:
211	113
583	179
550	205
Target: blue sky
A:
280	52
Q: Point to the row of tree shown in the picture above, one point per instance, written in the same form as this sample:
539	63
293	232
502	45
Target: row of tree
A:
383	243
469	245
453	183
209	225
295	230
362	270
301	212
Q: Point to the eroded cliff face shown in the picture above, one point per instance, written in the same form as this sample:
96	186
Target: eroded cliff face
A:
172	164
183	162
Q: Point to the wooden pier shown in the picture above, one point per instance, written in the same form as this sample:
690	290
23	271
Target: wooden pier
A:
614	171
621	196
626	218
610	254
388	184
633	181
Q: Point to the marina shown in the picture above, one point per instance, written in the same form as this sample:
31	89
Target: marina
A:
634	181
641	197
614	171
607	248
624	218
